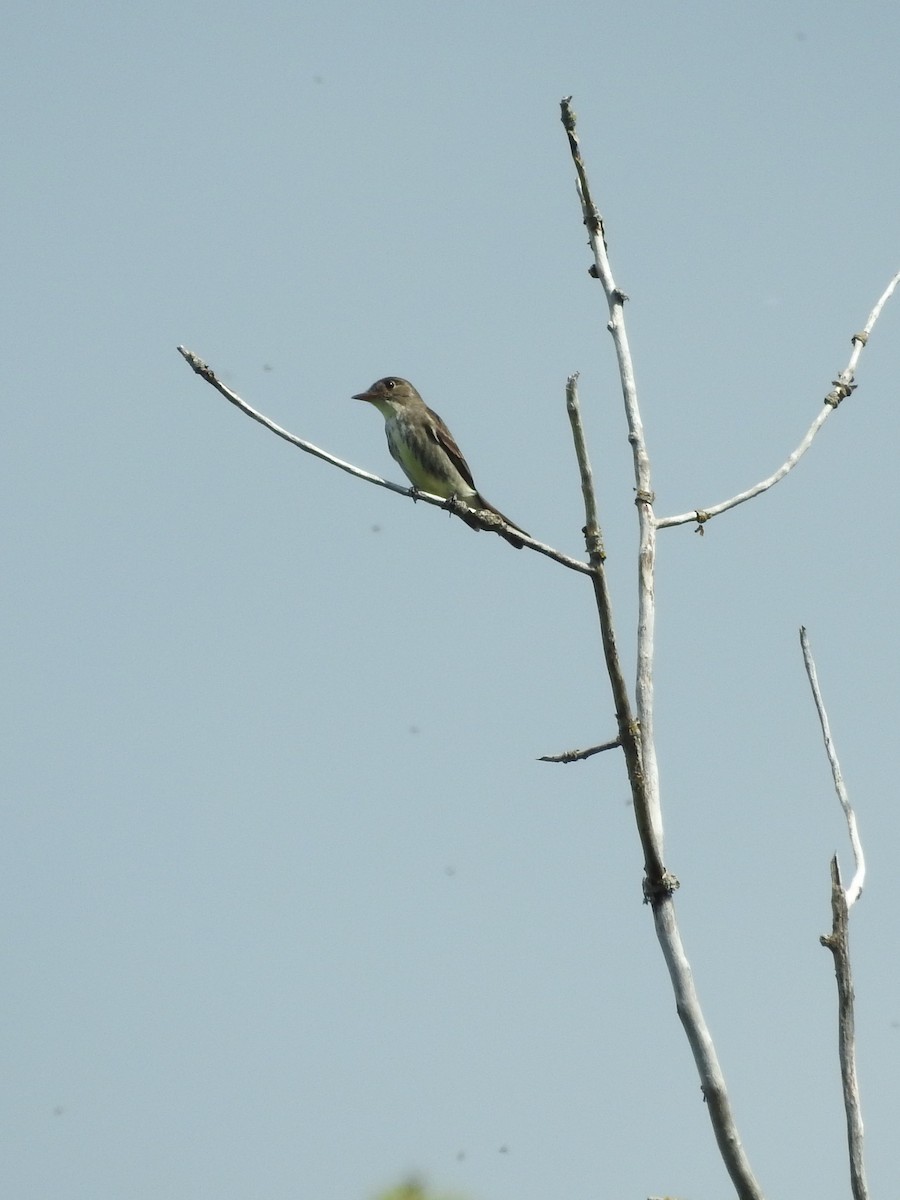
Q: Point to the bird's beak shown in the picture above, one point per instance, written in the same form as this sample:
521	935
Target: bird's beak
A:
363	396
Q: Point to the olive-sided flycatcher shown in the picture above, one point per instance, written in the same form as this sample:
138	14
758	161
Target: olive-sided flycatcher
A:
424	447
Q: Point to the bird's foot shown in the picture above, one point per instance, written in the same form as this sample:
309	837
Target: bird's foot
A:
453	504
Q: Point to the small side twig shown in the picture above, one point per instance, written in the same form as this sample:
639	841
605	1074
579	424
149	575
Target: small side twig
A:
570	756
842	387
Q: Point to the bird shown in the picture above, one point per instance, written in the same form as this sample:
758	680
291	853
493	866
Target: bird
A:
425	449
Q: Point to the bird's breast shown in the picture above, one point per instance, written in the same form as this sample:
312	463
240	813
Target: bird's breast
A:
423	460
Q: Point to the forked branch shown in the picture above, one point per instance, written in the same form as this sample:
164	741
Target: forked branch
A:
838	942
642	766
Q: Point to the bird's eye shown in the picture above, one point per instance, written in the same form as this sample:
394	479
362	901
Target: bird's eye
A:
390	384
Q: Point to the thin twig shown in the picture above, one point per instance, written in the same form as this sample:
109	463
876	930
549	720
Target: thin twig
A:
570	756
592	532
486	520
854	891
642	764
205	371
838	942
842	387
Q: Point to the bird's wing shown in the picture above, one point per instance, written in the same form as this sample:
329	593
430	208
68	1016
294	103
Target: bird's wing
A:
444	439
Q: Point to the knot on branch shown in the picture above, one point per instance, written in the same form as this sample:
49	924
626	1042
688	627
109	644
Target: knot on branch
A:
593	540
594	222
197	365
842	387
862	338
657	890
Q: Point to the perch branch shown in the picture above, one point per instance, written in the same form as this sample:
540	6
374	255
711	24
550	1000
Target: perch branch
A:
486	520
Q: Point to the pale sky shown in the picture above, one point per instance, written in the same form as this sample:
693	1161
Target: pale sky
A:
290	908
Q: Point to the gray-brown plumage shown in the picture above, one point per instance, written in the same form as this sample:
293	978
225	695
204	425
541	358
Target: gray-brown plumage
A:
424	447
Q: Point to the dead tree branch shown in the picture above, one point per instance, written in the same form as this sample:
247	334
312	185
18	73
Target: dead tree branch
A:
199	367
641	763
838	942
841	388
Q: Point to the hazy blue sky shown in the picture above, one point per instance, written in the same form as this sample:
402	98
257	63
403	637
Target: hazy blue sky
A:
290	910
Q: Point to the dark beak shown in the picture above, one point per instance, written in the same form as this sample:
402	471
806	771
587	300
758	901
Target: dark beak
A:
363	396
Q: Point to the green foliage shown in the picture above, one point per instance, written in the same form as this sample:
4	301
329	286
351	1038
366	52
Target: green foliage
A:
414	1189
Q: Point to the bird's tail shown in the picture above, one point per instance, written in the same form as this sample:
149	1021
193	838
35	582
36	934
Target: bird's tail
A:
478	501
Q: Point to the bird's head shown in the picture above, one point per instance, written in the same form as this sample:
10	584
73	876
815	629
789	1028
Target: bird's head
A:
390	394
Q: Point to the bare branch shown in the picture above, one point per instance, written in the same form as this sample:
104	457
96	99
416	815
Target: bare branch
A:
199	367
638	739
570	756
712	1081
838	942
842	387
859	876
485	519
592	533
